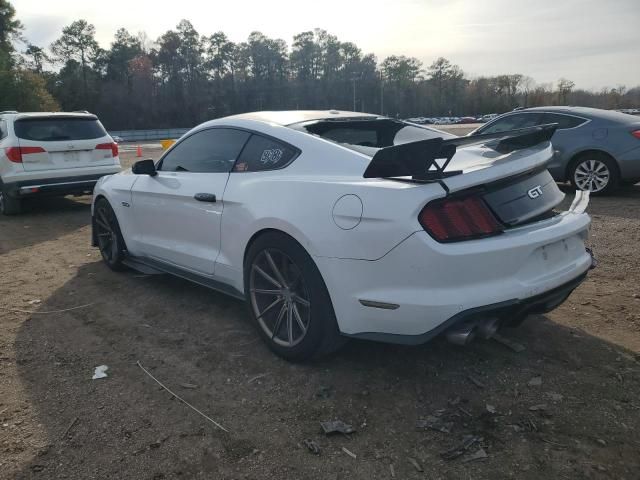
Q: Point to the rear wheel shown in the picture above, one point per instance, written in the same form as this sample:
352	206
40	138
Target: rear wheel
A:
9	205
288	299
110	241
595	172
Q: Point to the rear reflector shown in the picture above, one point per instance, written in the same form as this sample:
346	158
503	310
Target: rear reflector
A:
456	219
14	154
109	146
636	133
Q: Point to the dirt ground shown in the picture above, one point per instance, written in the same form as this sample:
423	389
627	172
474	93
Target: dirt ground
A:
566	407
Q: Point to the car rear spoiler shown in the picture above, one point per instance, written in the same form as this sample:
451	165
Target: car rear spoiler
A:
418	159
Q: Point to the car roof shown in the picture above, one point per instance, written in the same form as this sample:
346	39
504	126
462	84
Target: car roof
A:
587	112
20	115
290	117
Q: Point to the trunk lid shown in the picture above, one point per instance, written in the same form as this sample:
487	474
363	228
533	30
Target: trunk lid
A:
68	141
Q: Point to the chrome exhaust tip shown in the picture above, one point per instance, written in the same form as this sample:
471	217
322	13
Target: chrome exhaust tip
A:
488	328
462	335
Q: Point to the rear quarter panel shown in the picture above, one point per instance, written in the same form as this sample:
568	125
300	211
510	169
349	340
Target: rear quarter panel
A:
299	200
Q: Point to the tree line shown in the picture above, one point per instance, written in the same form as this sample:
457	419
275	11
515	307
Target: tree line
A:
183	78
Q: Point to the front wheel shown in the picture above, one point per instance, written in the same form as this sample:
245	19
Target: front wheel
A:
288	299
110	241
596	173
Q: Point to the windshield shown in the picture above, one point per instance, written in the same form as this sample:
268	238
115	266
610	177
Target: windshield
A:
59	129
368	136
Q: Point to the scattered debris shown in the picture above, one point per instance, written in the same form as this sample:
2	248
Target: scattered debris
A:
336	426
323	392
467	442
180	398
71	425
475	381
35	301
33	312
535	382
349	452
491	408
312	446
251	380
601	442
100	372
453	401
434	423
465	411
540	407
188	385
516	347
480	454
551	442
554	397
392	470
415	464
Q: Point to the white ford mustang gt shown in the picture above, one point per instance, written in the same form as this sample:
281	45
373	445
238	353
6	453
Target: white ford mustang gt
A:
340	224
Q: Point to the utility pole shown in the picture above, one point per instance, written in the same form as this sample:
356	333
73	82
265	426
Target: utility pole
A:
353	79
381	94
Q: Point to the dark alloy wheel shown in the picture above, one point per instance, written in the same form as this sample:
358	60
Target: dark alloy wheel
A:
288	299
108	234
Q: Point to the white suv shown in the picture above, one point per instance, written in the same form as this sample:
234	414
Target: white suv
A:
52	154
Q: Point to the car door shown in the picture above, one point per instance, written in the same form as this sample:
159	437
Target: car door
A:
565	139
178	211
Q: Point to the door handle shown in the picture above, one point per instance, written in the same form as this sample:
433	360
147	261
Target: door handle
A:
205	197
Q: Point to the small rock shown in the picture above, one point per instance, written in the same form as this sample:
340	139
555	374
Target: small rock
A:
535	382
434	423
540	407
601	442
491	408
555	397
478	455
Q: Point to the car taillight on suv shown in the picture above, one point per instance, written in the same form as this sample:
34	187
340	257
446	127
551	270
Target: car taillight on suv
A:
461	218
636	133
109	146
14	154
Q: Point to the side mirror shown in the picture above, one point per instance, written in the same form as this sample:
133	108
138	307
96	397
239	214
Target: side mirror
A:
144	167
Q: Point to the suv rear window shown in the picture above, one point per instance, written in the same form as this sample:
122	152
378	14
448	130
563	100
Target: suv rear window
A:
58	129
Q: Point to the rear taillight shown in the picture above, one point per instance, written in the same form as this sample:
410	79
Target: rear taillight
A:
455	219
14	154
636	133
109	146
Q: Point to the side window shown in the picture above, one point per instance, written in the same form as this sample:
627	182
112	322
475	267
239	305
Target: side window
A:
208	151
512	122
563	121
262	153
3	129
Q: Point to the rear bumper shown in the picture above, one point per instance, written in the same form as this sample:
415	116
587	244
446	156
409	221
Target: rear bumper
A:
509	312
53	186
421	287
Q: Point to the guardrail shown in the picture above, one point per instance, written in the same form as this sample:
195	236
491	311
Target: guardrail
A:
142	135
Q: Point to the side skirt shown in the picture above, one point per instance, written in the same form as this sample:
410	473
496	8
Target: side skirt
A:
155	267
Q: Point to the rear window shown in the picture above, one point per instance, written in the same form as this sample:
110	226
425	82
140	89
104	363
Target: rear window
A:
367	136
261	153
58	129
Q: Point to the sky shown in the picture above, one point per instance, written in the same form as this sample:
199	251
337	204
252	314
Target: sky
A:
595	43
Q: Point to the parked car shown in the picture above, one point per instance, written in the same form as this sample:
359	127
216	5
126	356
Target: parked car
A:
51	154
341	224
117	139
593	149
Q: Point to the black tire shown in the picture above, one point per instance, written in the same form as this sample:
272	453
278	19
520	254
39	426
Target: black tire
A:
9	205
582	163
110	241
302	281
